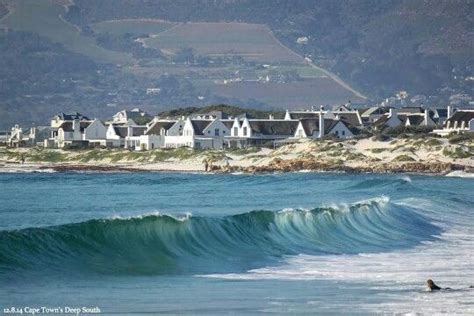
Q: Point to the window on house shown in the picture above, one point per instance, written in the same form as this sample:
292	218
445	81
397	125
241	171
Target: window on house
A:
245	131
216	132
343	133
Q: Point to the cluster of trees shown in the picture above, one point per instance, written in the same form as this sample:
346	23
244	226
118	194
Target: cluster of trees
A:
226	109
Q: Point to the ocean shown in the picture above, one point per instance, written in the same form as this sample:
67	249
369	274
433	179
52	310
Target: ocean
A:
182	243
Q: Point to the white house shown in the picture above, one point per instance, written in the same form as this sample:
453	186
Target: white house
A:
71	133
95	133
202	134
459	122
248	132
395	118
115	135
154	136
320	127
66	129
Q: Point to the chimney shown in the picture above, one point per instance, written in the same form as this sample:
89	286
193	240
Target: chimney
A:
392	112
129	130
75	125
321	122
270	117
450	111
287	115
427	116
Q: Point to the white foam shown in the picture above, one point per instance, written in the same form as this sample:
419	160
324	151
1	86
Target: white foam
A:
461	174
406	178
25	170
182	218
449	261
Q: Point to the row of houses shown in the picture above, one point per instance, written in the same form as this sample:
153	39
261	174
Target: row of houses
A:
217	130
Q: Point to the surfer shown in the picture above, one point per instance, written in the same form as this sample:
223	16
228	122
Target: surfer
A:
433	287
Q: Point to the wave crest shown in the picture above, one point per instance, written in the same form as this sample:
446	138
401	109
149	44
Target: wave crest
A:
165	244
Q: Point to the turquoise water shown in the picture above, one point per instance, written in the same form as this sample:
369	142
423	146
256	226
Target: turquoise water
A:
198	243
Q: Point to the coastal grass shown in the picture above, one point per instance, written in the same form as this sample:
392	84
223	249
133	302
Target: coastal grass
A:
457	152
378	150
36	154
244	151
403	158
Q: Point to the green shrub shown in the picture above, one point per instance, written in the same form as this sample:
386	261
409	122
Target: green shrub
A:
403	158
457	153
378	150
457	138
433	142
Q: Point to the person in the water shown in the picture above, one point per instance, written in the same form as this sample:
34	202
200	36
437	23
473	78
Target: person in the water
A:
432	286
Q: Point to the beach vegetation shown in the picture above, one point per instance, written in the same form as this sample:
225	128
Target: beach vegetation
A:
243	151
378	150
458	138
403	158
457	153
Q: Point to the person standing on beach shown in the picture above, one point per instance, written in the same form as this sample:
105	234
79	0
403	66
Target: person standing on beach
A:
206	165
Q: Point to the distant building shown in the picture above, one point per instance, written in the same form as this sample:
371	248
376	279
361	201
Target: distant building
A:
32	137
302	40
124	116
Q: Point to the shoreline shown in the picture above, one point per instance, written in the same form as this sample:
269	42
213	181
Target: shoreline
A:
298	166
426	155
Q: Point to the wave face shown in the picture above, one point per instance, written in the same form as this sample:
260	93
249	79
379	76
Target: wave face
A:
162	244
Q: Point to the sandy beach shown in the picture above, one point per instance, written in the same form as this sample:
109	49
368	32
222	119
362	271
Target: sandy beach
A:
424	155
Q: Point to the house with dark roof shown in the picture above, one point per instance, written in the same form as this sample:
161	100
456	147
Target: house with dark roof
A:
199	133
462	121
406	118
316	128
155	134
249	132
372	114
80	133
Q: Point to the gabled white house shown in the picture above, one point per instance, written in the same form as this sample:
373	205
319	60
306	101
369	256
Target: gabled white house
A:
155	134
462	121
201	134
248	132
318	128
71	134
95	133
406	118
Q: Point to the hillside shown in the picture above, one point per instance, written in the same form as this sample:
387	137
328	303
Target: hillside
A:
379	46
152	63
100	56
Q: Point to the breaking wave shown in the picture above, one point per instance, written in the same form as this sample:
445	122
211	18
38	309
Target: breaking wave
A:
163	244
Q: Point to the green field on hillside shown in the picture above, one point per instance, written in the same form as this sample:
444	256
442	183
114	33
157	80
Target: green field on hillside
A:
250	41
139	26
45	18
